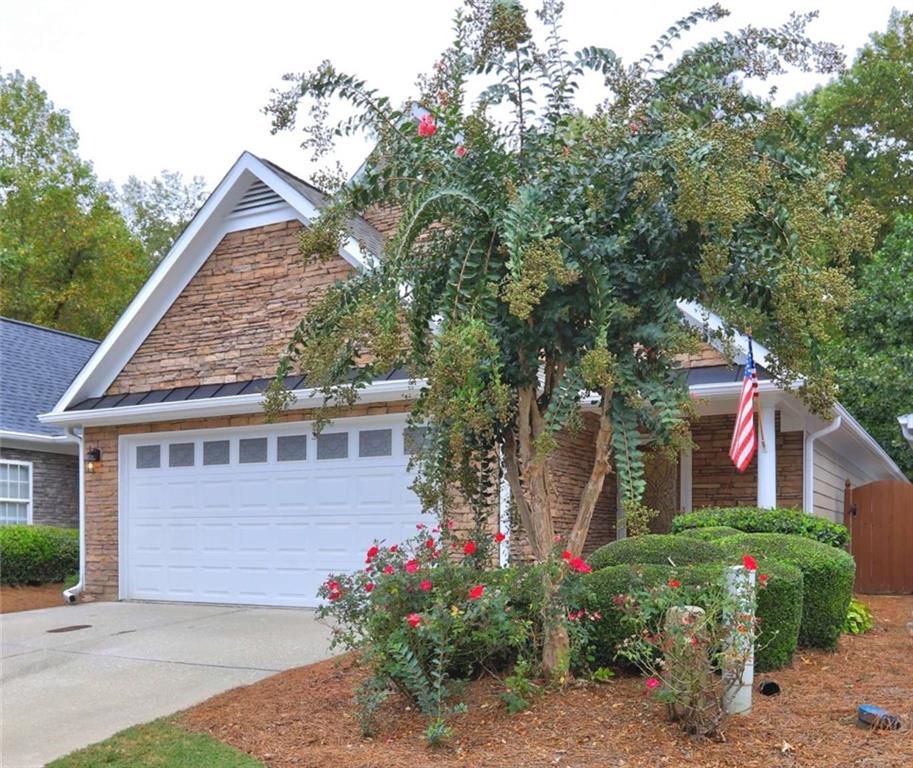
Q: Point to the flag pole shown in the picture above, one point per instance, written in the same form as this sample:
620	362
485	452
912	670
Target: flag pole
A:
757	394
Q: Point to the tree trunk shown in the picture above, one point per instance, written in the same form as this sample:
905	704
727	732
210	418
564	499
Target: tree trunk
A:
556	647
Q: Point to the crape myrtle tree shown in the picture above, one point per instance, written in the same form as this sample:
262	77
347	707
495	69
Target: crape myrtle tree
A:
541	250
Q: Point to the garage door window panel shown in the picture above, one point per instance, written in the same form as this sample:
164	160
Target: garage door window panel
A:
181	454
216	452
333	445
252	450
291	448
375	442
148	457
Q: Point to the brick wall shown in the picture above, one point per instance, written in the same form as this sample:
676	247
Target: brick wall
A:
715	481
235	315
707	355
55	484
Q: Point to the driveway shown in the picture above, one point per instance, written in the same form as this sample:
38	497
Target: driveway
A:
133	662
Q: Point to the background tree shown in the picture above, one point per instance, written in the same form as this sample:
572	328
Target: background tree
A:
866	114
158	210
67	258
541	251
875	358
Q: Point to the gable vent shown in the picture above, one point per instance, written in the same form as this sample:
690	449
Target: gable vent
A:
258	196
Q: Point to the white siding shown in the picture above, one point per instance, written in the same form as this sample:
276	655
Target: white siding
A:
831	473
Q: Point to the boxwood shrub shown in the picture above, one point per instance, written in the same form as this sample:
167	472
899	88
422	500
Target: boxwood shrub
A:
828	575
659	549
37	554
711	532
779	607
757	520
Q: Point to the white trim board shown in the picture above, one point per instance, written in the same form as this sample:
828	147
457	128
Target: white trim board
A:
195	244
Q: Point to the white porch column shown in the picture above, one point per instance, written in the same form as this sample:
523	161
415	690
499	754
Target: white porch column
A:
767	457
684	480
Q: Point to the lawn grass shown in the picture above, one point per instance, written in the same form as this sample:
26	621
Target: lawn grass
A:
159	744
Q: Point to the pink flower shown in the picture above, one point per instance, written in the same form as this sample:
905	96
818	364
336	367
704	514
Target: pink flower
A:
499	537
369	586
476	592
425	586
652	683
411	566
460	151
469	548
450	525
426	126
393	549
389	570
556	538
333	586
414	620
580	565
420	526
749	562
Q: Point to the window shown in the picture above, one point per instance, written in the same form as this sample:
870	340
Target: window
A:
333	446
15	492
291	447
180	455
375	442
252	450
148	456
216	452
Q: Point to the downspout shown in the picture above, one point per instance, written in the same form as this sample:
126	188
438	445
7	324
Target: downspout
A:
808	457
71	595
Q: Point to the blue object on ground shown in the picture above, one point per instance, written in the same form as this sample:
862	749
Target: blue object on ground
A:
876	717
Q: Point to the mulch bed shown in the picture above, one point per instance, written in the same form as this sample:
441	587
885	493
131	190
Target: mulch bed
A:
304	718
14	599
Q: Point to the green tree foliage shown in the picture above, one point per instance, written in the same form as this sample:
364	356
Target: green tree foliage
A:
875	358
541	250
158	210
867	115
67	258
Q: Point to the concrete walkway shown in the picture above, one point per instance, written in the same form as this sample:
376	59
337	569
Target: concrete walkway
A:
134	662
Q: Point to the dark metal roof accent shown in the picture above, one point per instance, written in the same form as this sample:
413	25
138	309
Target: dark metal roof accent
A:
36	366
203	392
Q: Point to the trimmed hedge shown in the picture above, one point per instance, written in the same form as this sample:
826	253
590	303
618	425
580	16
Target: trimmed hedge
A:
828	575
779	607
757	520
37	554
658	549
711	532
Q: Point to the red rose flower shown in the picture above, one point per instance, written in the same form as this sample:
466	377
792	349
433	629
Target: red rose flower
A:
652	683
425	586
393	549
460	151
674	583
566	555
476	592
762	577
469	548
499	537
411	566
389	570
426	126
334	596
580	565
372	553
333	586
430	543
414	620
369	586
749	562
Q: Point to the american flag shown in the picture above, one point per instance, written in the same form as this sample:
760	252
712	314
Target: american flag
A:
744	439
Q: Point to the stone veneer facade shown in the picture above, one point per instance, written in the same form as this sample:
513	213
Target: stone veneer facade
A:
230	323
55	486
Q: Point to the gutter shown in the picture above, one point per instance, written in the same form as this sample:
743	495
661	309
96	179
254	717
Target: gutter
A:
808	457
72	594
381	391
906	427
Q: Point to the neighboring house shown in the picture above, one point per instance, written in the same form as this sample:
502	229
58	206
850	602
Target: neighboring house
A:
196	498
39	466
906	427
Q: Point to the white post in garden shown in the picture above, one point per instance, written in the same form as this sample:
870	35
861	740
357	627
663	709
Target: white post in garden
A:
767	457
738	674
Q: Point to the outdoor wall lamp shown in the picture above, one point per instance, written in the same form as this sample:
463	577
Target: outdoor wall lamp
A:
93	456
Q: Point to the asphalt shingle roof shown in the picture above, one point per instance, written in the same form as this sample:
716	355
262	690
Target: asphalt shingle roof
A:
36	367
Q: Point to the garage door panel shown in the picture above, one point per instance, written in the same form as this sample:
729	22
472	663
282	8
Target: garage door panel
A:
262	533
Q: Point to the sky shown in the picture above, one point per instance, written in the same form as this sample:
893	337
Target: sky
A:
181	85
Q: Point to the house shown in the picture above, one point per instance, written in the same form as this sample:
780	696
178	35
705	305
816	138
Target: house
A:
906	427
39	466
192	496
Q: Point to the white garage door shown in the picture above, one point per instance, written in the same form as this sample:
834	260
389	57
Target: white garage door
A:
260	515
